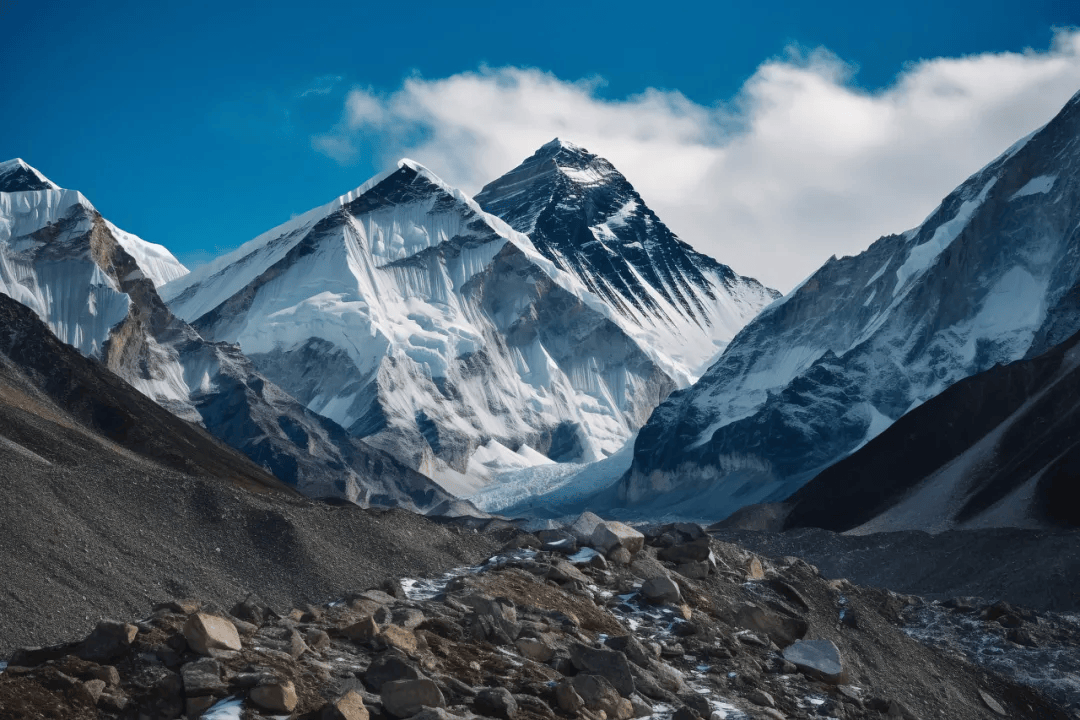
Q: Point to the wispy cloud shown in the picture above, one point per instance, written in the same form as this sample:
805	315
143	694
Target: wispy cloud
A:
802	164
321	85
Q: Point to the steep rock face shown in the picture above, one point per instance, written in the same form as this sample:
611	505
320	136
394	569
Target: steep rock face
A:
585	217
998	449
96	288
43	378
989	277
431	329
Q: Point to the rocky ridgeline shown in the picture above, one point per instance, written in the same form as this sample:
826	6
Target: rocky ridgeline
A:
595	621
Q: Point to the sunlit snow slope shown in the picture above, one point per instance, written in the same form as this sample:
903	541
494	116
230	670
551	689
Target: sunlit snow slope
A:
431	329
992	275
584	216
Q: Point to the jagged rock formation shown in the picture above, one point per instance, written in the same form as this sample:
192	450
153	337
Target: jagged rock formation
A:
991	276
432	330
585	217
96	288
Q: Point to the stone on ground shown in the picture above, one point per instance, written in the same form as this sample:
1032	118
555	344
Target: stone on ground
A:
405	698
205	633
661	589
349	706
817	658
611	534
278	696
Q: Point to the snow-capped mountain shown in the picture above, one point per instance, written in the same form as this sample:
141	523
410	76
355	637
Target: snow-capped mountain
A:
432	329
997	449
585	217
95	286
990	276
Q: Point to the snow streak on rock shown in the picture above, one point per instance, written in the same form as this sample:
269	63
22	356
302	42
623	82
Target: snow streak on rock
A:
991	276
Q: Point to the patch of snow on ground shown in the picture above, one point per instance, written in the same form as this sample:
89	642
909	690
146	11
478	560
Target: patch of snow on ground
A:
227	709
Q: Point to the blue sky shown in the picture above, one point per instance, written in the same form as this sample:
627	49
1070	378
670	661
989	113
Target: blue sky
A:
199	125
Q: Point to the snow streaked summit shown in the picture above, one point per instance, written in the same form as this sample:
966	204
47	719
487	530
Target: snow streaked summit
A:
588	220
432	329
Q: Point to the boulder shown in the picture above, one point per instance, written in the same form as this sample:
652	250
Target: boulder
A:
364	630
202	677
781	629
536	649
317	639
206	633
816	658
277	696
611	664
405	698
390	667
660	589
696	551
562	571
558	541
619	556
695	570
398	637
598	695
611	534
349	706
109	640
630	646
567	697
582	527
496	702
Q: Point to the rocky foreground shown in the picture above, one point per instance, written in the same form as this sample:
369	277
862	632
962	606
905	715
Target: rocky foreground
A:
593	622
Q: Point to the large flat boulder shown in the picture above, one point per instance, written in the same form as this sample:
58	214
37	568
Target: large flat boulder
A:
610	534
817	658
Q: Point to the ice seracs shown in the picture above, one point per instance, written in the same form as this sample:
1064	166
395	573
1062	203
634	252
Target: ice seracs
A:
989	277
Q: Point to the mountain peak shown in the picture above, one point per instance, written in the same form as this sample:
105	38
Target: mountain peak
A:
16	175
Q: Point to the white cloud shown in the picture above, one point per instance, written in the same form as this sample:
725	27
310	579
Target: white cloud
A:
802	164
321	85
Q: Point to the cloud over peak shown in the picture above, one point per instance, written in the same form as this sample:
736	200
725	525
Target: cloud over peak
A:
800	165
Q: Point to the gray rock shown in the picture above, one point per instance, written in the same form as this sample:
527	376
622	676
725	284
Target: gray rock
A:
695	551
611	664
390	667
558	541
992	703
108	640
496	702
609	535
583	526
817	658
632	648
781	629
405	698
661	589
202	677
695	570
760	697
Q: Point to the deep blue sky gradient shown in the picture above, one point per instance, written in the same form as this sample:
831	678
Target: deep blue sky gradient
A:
186	123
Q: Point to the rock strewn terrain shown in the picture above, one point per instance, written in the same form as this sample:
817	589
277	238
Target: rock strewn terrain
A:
668	624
